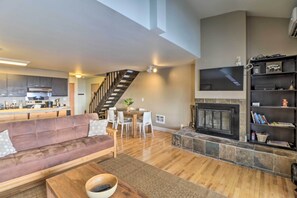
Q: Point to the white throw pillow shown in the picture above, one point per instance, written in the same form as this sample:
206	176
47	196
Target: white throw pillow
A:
6	147
97	127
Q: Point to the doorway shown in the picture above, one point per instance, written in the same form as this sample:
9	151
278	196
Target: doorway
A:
71	97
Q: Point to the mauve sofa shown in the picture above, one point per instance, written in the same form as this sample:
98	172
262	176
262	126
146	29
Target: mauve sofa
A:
47	146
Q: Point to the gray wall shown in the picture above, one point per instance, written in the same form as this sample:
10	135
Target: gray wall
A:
223	38
168	92
269	36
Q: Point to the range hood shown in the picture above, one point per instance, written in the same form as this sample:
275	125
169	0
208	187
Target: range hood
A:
40	89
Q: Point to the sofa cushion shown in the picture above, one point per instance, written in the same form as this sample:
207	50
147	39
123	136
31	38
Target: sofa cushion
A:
97	127
21	163
46	132
23	135
29	161
6	147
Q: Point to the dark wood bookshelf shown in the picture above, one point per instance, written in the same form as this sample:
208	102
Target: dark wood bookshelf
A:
275	90
271	100
270	145
274	107
266	125
269	74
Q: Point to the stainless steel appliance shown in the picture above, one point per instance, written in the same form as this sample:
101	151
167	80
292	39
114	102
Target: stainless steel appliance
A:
38	96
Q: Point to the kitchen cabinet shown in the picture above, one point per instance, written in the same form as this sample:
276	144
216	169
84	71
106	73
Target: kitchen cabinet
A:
16	85
3	85
60	87
45	82
36	81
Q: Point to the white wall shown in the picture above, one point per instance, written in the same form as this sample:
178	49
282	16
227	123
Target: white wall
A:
136	10
82	92
90	81
169	92
182	24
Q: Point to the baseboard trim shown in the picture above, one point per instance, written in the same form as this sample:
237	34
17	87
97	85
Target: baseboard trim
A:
163	129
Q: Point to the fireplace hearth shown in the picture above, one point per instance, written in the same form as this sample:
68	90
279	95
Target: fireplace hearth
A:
220	120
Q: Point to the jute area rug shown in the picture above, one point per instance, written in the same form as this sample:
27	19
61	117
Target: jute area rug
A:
152	181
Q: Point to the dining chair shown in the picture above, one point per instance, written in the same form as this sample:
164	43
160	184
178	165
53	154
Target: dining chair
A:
123	122
146	121
111	118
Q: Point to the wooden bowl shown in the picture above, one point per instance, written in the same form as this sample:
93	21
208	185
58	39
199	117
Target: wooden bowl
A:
95	183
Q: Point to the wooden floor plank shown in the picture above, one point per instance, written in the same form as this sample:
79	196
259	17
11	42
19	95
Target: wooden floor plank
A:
223	177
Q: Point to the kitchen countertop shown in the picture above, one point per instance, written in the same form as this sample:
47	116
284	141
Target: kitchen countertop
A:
37	110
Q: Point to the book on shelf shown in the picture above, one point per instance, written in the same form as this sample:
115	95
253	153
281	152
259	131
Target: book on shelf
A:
282	124
253	117
258	118
278	143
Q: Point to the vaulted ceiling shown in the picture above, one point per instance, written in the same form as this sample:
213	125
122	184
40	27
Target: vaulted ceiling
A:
86	36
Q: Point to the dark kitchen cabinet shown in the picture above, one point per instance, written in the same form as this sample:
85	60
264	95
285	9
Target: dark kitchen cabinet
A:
3	85
36	81
45	82
16	85
60	87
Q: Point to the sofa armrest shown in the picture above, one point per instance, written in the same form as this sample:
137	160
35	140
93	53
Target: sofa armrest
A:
113	132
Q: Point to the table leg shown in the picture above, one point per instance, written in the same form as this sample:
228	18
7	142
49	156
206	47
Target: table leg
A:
134	125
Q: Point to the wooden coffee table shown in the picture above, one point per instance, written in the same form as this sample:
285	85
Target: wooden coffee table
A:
72	183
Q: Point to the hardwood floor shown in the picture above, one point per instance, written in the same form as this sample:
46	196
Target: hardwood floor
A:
223	177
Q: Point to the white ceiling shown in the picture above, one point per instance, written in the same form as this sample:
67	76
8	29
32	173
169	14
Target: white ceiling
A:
264	8
80	36
86	36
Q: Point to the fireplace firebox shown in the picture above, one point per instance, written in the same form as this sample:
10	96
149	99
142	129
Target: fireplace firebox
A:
220	120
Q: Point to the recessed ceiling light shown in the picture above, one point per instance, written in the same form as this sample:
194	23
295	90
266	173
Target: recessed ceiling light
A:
151	69
16	62
78	75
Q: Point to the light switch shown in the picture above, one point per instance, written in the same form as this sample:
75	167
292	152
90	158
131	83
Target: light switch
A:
142	99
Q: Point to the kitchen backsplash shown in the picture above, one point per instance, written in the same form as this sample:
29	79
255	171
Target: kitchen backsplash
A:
63	100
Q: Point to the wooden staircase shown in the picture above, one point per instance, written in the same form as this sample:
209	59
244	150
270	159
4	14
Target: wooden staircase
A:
110	91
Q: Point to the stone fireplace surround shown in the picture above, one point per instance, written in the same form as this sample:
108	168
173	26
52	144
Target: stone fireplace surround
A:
269	159
273	160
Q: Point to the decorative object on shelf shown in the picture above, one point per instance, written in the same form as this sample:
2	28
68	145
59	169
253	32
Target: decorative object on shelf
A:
256	104
128	102
274	67
238	61
262	137
256	70
285	102
265	87
253	136
292	86
282	124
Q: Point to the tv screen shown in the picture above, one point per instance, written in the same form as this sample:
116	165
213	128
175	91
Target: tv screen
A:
222	79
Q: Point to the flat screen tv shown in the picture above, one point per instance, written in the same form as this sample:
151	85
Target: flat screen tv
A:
222	79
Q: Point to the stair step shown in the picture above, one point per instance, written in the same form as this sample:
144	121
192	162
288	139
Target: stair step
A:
130	79
118	91
125	83
122	86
